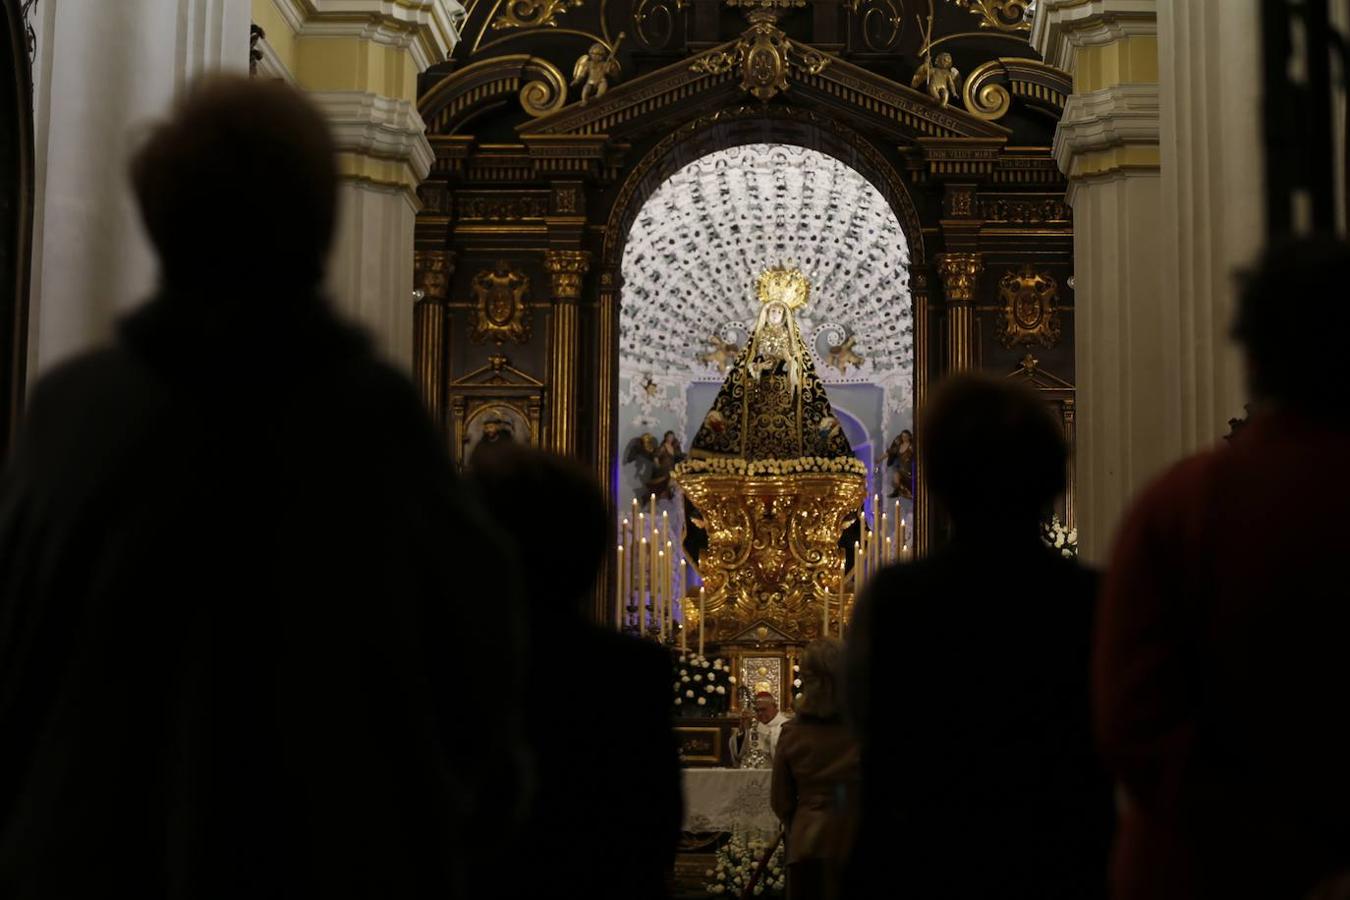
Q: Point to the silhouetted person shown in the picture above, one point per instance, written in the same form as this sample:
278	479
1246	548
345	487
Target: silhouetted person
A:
815	777
1221	667
969	677
607	807
241	628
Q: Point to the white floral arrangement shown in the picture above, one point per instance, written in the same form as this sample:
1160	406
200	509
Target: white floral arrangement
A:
1065	540
702	686
736	863
796	684
801	465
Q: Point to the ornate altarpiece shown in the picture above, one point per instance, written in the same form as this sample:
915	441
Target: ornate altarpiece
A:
527	175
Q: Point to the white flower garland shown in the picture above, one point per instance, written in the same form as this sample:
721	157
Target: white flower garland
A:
802	465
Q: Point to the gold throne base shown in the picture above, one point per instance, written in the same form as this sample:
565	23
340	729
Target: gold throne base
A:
773	552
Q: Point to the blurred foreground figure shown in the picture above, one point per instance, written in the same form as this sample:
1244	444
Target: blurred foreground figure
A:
1221	667
605	820
968	678
237	598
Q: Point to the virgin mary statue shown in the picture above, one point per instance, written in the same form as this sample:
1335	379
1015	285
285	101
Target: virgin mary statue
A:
772	404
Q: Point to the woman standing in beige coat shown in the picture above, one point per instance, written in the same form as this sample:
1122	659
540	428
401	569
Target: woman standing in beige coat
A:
815	777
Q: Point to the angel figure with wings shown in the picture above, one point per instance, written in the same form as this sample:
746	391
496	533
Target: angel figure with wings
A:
595	68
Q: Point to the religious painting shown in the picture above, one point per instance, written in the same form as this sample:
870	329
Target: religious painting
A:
492	425
502	305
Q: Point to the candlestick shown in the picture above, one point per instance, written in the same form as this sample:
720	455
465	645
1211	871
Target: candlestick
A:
659	593
702	616
684	617
857	570
642	586
670	589
618	595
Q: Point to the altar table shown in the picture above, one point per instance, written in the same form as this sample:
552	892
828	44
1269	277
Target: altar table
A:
734	800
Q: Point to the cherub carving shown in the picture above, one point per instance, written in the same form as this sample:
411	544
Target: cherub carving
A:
941	77
596	68
722	354
842	357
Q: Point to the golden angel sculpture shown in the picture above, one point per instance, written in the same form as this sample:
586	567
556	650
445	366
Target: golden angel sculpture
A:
596	68
772	475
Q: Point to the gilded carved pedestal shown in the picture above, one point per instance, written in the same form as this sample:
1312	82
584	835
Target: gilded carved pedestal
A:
773	548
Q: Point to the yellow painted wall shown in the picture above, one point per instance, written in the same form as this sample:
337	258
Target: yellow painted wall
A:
279	34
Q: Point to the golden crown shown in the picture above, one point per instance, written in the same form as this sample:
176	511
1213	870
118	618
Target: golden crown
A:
785	284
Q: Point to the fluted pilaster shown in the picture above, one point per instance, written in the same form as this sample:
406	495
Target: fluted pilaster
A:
566	269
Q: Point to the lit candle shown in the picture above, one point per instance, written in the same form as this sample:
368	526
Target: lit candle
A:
702	616
642	584
890	550
857	570
658	595
824	615
618	594
904	538
684	618
670	589
653	502
882	530
898	526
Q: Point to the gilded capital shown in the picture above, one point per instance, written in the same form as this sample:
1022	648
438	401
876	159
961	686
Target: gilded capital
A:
566	269
960	274
432	270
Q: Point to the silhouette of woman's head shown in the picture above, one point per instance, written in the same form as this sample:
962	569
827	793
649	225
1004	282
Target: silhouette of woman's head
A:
992	454
238	190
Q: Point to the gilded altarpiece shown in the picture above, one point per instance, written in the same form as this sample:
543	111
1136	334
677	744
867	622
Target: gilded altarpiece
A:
527	174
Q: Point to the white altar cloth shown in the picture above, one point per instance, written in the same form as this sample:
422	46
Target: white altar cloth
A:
728	800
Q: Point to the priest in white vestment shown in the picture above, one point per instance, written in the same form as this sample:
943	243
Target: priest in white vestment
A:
767	723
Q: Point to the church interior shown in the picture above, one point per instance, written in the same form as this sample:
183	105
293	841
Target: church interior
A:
722	256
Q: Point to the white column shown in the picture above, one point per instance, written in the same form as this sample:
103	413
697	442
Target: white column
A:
385	153
1124	314
1209	60
104	71
359	61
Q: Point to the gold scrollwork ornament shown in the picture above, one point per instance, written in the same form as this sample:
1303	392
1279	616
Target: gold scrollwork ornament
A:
532	13
503	311
1001	15
1030	308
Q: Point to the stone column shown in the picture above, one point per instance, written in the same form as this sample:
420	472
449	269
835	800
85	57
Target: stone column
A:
102	72
359	61
960	274
1161	144
1107	145
566	269
1212	189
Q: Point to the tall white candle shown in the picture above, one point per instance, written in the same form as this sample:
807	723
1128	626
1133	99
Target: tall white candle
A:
618	595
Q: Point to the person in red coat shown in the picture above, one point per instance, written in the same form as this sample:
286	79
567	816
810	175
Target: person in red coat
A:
1220	665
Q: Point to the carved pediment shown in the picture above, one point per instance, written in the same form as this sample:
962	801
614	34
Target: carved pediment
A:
760	632
498	373
764	63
